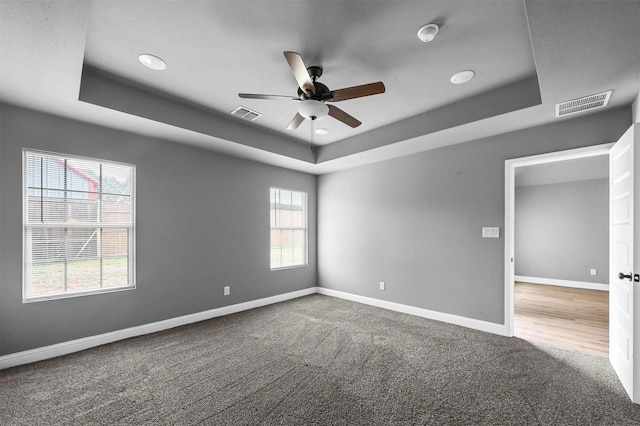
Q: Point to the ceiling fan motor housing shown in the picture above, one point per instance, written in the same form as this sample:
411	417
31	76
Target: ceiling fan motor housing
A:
320	95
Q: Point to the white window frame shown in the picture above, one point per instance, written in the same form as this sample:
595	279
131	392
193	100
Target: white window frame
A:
26	226
305	228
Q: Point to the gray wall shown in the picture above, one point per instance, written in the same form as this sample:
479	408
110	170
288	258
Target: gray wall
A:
202	223
562	230
415	222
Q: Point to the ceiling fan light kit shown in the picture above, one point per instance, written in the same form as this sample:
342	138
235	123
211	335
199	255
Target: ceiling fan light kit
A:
313	110
313	95
428	32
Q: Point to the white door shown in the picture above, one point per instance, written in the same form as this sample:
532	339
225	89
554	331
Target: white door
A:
624	299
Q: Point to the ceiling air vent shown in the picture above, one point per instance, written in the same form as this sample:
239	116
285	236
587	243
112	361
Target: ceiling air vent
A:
586	103
246	113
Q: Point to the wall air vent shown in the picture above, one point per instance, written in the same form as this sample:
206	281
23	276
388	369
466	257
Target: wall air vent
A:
586	103
246	113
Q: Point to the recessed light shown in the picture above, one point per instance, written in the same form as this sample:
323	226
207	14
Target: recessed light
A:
462	77
322	131
153	62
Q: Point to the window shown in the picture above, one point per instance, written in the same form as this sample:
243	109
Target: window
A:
288	228
79	235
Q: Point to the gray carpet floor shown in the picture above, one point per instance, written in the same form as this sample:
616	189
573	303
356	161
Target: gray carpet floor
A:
317	360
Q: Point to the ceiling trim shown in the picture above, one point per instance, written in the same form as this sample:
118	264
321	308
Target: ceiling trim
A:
512	97
101	88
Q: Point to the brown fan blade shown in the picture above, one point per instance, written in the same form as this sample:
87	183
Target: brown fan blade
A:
300	72
295	122
355	92
268	97
340	115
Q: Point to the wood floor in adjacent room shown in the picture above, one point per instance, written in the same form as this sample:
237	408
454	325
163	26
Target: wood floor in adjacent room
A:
571	318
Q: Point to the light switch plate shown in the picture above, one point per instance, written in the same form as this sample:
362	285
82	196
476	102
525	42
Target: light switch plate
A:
490	232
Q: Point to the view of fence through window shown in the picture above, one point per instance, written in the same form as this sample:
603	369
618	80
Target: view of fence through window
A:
78	233
288	215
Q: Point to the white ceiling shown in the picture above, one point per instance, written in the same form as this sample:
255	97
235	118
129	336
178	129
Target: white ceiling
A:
233	46
580	169
527	56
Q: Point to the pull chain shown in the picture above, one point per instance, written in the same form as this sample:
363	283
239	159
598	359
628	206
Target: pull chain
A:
313	120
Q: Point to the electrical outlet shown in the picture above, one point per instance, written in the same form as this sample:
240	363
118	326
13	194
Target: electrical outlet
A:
382	285
227	290
594	272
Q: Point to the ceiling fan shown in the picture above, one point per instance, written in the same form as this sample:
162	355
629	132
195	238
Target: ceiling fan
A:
313	95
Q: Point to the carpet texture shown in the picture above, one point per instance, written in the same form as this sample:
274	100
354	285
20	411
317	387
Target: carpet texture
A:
317	360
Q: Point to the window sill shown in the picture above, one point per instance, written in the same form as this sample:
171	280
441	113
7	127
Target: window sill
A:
282	268
43	298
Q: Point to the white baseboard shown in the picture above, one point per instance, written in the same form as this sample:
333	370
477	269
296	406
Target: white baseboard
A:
488	327
563	283
64	348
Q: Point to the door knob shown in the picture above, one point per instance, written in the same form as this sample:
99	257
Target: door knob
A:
623	276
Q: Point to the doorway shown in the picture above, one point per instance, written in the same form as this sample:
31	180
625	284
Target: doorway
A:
562	254
512	168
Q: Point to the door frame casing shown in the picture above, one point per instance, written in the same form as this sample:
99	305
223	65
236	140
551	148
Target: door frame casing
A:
509	214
